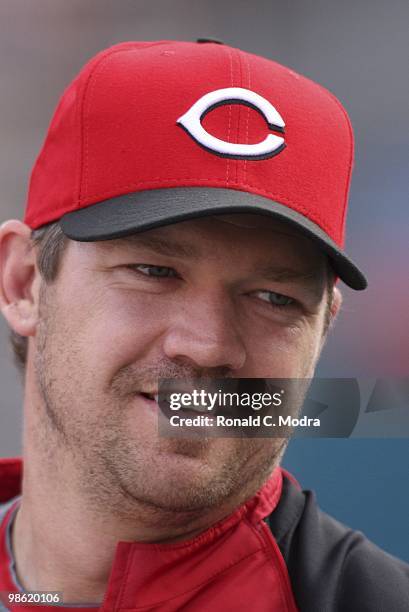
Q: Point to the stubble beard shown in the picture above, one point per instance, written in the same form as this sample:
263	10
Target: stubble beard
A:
126	477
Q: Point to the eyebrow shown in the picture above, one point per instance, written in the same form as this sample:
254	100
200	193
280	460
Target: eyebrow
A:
159	245
282	274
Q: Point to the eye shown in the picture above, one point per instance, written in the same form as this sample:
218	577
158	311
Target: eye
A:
154	271
277	300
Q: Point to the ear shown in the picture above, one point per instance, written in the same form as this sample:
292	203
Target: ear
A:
336	304
19	278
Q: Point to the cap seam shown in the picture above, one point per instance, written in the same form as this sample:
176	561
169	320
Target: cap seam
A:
240	78
230	113
248	112
82	104
95	72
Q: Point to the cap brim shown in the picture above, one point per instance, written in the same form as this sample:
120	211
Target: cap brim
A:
144	210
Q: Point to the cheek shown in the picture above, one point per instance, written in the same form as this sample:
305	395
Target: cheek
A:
119	327
283	352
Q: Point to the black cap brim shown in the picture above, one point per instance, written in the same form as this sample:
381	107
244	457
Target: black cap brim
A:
145	210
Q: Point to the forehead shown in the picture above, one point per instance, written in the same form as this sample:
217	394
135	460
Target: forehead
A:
248	232
258	221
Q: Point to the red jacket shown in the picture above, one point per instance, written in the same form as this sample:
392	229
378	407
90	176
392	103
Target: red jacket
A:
235	565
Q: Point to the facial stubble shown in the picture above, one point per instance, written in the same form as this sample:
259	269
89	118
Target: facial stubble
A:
122	475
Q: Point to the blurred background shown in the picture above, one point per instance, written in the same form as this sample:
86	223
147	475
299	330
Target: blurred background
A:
358	49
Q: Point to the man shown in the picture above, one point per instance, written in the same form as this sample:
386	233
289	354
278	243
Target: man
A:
187	212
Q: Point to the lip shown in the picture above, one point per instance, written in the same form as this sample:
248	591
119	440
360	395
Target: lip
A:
152	404
190	411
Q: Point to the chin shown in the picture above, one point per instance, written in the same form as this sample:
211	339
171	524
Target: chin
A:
179	482
179	495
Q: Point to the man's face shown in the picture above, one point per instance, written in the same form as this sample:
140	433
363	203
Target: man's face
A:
199	298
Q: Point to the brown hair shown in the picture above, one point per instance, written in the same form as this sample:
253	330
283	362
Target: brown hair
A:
50	242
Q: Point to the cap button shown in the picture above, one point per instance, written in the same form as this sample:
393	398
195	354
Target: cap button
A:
209	40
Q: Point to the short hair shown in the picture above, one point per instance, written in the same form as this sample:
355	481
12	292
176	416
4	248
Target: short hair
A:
50	243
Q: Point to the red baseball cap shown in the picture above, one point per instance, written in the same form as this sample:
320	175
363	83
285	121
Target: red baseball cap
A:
153	133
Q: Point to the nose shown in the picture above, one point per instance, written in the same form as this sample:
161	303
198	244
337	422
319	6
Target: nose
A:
205	334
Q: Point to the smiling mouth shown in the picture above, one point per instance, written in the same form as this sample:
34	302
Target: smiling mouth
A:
165	402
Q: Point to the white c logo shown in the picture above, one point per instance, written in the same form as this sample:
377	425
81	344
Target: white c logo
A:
271	145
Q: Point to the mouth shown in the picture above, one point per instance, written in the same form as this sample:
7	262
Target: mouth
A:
153	399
